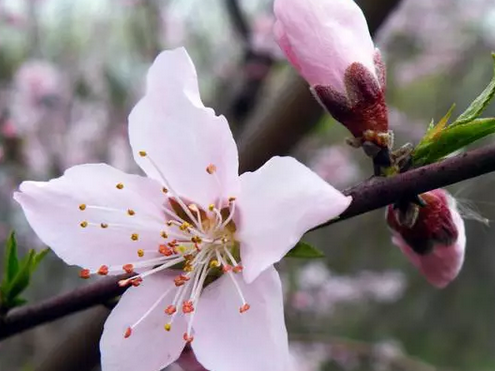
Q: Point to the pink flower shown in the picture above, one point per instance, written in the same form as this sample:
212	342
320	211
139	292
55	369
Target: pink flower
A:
191	220
432	236
329	43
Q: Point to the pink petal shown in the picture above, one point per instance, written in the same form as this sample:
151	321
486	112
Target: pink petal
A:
278	203
180	136
326	37
149	347
442	265
226	340
53	211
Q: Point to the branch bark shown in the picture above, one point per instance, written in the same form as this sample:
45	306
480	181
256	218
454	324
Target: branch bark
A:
367	196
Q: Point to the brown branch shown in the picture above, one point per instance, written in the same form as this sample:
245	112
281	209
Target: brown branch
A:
380	192
367	196
29	316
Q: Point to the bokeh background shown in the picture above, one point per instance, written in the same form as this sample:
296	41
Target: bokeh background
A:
71	70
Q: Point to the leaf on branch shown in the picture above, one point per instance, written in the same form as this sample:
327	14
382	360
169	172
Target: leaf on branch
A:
443	139
305	251
17	274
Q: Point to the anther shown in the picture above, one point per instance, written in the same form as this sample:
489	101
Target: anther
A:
127	333
104	225
167	327
82	207
169	223
171	309
119	186
187	307
165	250
214	264
134	236
131	212
164	190
188	338
128	268
83	224
238	268
142	153
211	207
244	308
163	234
232	199
140	253
103	270
210	169
226	268
84	273
196	239
184	226
136	281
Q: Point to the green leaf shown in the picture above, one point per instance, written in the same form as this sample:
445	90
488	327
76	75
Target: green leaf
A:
38	258
23	276
11	263
305	251
452	139
479	104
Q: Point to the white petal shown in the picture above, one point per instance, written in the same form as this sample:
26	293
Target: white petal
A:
150	347
278	203
325	37
52	210
227	340
181	136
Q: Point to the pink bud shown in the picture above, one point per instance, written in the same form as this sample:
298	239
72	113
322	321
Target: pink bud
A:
431	236
329	43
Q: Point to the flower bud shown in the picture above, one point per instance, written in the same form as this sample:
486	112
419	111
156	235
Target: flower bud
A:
431	236
329	43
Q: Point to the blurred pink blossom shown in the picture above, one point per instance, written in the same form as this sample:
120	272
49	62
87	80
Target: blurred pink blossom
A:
336	165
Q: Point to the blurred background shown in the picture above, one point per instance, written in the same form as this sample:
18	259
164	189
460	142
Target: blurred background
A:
71	70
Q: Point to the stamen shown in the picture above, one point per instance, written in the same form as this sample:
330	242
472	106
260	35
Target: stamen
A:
231	214
82	207
164	190
131	212
119	186
244	308
134	236
128	268
167	327
155	304
84	273
104	225
171	309
188	338
210	169
103	270
83	224
140	253
163	234
142	153
127	333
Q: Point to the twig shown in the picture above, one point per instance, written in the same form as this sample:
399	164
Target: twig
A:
29	316
239	22
377	193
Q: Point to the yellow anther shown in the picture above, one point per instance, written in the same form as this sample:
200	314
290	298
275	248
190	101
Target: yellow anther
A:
104	225
142	153
211	207
131	212
188	268
214	264
164	190
119	186
84	224
164	234
182	249
224	240
184	226
134	236
210	169
167	327
140	253
196	239
82	207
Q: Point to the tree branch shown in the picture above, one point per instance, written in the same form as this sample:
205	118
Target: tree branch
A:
29	316
367	196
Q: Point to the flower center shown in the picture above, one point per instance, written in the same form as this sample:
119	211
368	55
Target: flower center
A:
199	244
